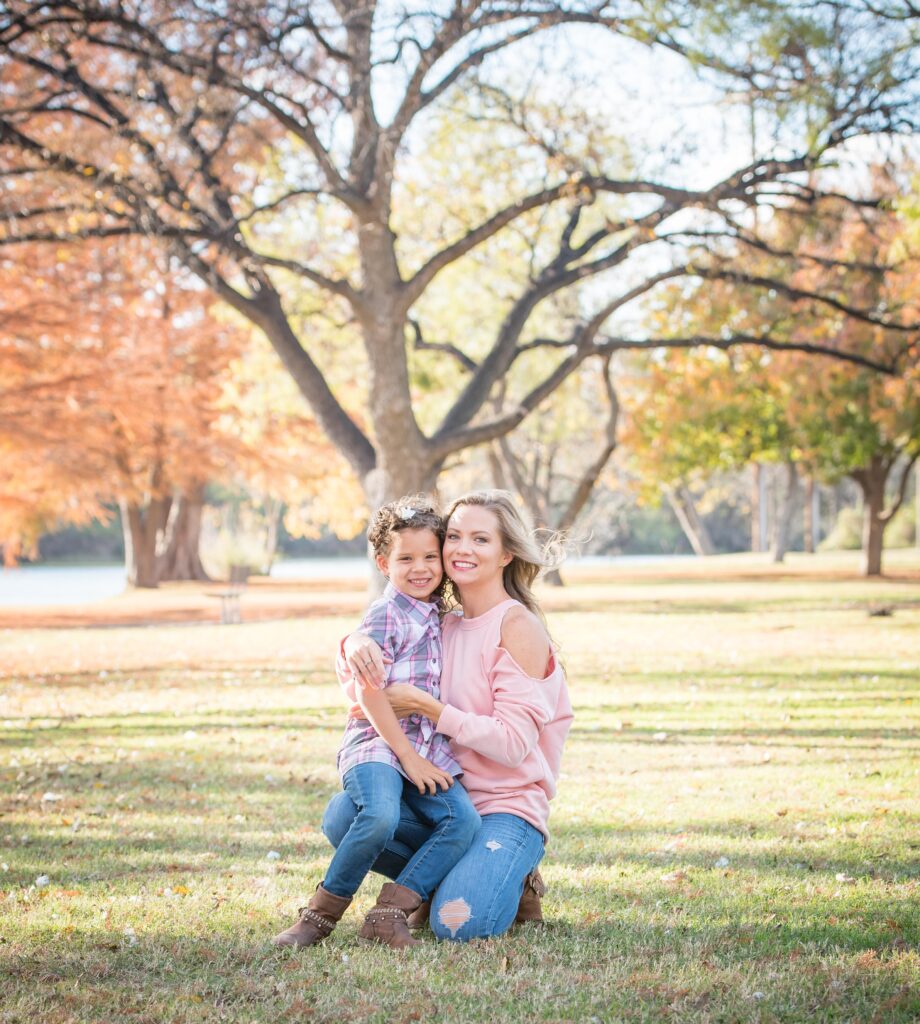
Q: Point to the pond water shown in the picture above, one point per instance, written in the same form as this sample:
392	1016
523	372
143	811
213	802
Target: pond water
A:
33	585
77	584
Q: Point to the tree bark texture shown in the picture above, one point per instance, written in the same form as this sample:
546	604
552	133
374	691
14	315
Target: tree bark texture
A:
181	559
755	506
144	528
808	532
873	481
785	513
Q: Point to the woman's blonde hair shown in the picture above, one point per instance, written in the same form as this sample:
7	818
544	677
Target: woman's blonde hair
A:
529	558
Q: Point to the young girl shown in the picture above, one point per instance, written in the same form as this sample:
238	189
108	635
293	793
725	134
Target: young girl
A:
385	761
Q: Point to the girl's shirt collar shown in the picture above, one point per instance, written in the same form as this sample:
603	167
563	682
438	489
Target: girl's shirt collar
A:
420	611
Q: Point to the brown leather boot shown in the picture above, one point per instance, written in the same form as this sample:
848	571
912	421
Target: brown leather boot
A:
530	909
387	921
419	918
316	920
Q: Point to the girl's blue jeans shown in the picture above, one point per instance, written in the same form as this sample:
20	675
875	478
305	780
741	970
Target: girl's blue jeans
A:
376	795
479	896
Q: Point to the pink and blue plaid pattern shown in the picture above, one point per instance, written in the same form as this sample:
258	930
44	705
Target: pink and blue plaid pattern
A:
409	633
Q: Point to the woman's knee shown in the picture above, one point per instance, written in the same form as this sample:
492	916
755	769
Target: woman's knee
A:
455	918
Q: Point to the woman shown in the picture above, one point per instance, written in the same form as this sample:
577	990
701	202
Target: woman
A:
505	706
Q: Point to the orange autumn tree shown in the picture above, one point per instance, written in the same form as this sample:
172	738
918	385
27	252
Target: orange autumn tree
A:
121	397
43	366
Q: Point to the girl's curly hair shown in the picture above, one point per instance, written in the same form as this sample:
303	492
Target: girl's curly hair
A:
414	512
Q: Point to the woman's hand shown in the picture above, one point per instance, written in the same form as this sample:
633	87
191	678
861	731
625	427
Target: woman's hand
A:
366	661
406	700
425	776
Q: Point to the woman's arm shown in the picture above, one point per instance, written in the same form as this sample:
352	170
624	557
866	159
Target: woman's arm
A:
524	697
365	659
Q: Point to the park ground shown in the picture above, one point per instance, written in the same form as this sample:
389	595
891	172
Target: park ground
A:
735	836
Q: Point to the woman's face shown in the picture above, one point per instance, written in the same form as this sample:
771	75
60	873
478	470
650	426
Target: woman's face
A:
473	550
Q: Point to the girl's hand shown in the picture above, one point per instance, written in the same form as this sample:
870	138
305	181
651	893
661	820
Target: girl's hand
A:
424	774
366	661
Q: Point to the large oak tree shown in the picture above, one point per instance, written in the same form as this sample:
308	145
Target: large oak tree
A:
218	129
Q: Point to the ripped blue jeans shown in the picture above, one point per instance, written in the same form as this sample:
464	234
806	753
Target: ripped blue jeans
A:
479	896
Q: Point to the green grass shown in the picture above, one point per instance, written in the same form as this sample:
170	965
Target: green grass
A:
735	837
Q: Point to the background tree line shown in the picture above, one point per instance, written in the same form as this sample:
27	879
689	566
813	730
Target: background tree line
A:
448	253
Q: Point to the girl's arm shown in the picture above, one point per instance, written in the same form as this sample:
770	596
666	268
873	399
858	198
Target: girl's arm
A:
422	772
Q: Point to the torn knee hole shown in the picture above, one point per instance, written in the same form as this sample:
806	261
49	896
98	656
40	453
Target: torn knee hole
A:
454	914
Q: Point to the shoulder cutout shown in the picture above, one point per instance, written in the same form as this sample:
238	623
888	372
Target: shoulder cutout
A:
524	637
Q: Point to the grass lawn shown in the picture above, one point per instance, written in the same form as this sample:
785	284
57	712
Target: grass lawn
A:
735	837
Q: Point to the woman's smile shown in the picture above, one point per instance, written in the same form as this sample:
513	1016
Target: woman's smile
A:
472	545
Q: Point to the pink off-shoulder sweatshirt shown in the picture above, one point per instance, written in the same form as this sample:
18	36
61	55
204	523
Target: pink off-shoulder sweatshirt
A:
507	729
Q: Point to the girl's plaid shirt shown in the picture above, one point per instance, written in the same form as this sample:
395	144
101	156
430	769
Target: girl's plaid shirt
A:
409	633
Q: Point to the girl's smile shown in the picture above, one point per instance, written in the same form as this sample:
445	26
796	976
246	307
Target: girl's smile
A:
413	564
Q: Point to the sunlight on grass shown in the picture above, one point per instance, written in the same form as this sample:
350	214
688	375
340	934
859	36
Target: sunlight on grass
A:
735	836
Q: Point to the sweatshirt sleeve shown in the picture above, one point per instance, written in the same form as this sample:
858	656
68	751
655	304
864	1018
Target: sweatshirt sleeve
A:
522	707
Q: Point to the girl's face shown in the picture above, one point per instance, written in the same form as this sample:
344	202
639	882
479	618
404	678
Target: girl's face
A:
414	564
473	550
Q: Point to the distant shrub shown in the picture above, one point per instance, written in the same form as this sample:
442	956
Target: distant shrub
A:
902	531
224	551
846	534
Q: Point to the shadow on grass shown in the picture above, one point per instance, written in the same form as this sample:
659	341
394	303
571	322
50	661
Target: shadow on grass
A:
212	674
790	860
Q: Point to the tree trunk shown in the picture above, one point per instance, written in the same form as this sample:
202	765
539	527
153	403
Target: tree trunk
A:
497	470
757	507
917	506
144	528
681	501
182	558
872	480
809	531
554	578
273	509
785	512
